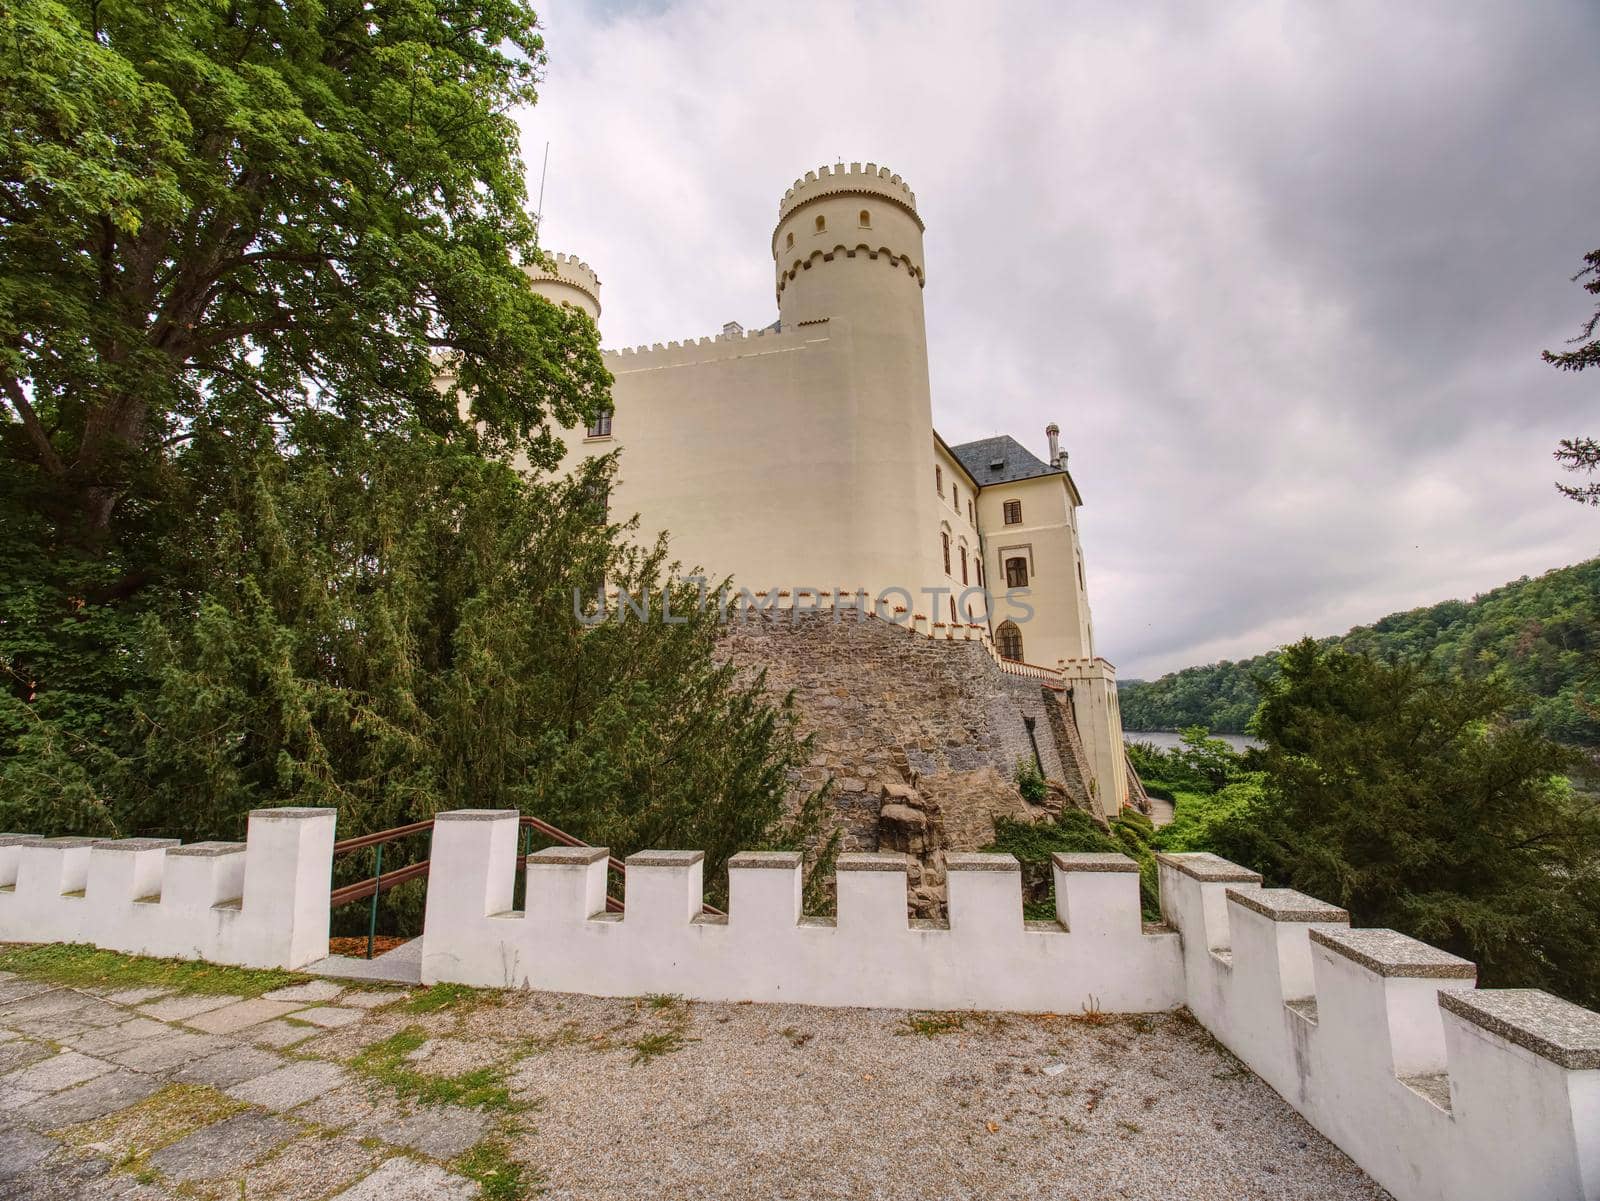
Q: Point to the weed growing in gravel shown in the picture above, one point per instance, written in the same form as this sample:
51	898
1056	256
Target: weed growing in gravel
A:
499	1177
385	1062
78	965
797	1038
448	996
653	1046
662	1000
930	1025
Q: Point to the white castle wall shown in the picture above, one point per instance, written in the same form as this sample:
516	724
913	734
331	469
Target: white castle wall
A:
766	950
258	903
1439	1090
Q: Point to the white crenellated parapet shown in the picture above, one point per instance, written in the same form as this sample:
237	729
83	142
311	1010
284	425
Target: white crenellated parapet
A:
258	903
1436	1089
985	957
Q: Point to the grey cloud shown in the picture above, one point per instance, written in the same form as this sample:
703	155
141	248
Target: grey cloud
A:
1281	271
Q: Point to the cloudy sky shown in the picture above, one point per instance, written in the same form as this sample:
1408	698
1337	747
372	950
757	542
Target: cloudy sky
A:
1280	271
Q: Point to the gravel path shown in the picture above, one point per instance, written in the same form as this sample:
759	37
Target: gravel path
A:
147	1096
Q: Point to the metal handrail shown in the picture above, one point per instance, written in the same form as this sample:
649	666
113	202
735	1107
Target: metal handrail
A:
381	881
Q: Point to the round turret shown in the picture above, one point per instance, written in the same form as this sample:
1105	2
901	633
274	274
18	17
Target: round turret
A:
845	213
570	281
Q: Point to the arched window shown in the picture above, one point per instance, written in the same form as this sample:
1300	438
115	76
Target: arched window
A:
866	219
1017	572
945	539
790	242
1010	640
938	479
963	565
822	224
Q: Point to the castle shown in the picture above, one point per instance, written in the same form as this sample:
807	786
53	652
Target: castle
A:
801	458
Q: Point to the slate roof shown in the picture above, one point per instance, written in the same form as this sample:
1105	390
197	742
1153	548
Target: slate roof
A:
1016	461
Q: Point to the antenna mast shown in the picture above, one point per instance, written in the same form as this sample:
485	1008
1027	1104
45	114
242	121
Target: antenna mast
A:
538	216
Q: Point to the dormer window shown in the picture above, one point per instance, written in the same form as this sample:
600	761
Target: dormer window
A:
600	427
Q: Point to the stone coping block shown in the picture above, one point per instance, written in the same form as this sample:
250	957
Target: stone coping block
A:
772	859
1208	868
474	815
1287	905
1566	1034
67	842
879	861
294	813
207	849
20	840
665	858
1390	953
963	861
570	856
135	844
1092	861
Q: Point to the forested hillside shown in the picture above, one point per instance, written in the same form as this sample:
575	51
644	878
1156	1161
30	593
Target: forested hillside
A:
1543	634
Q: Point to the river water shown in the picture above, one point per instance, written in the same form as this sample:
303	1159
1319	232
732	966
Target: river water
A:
1168	740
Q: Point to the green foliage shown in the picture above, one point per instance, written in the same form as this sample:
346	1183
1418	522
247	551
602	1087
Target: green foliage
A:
227	216
77	965
499	1177
1404	794
1581	454
1542	636
1031	782
1075	832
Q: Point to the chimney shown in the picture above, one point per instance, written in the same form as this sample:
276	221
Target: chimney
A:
1053	432
732	329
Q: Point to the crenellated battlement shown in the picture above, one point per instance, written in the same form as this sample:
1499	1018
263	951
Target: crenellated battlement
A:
870	180
569	269
258	903
714	347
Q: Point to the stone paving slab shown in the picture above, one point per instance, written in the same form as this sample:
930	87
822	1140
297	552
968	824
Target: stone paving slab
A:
237	1016
437	1132
278	1034
168	1051
100	1096
330	1017
182	1008
20	990
62	1070
232	1066
137	996
20	1149
373	998
105	1039
224	1148
407	1180
289	1086
13	1099
20	1053
311	992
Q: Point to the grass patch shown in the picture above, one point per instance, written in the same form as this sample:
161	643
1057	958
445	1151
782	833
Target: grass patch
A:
662	1000
78	965
131	1135
385	1062
654	1046
440	997
499	1177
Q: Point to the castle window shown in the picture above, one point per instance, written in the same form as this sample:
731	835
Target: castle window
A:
1017	572
790	242
955	496
963	565
971	520
945	538
952	610
1013	510
866	219
822	224
938	479
1081	584
1010	640
980	572
600	427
